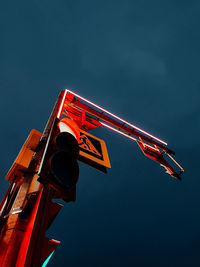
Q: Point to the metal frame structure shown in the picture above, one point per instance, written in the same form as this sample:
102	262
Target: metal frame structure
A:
27	210
88	115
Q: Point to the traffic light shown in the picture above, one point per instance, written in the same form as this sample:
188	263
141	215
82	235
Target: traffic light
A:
59	167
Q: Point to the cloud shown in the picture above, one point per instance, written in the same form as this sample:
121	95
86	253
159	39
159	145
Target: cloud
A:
141	62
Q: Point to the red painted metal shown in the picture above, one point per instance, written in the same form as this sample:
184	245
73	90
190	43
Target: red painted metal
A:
83	120
155	154
27	209
109	113
88	116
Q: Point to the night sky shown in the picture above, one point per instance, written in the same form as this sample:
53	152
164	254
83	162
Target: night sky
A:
140	60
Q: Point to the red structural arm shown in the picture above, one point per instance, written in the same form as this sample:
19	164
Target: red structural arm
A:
82	110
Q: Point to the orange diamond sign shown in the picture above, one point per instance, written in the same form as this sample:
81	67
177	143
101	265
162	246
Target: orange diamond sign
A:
93	151
87	145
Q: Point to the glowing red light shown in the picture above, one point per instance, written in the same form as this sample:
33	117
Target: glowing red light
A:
115	130
116	117
61	105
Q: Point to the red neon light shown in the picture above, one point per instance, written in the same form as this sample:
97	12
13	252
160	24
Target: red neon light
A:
109	127
61	105
113	115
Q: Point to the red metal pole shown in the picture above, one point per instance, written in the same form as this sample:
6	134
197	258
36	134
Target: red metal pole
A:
26	212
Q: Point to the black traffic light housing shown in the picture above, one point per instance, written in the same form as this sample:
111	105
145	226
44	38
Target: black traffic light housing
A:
59	167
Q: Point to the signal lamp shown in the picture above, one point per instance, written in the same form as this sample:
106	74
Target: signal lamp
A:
59	167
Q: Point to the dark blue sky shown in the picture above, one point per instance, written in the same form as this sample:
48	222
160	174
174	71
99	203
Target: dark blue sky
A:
140	60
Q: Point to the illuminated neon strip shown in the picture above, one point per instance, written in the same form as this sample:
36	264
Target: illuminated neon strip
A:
113	115
61	105
115	130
